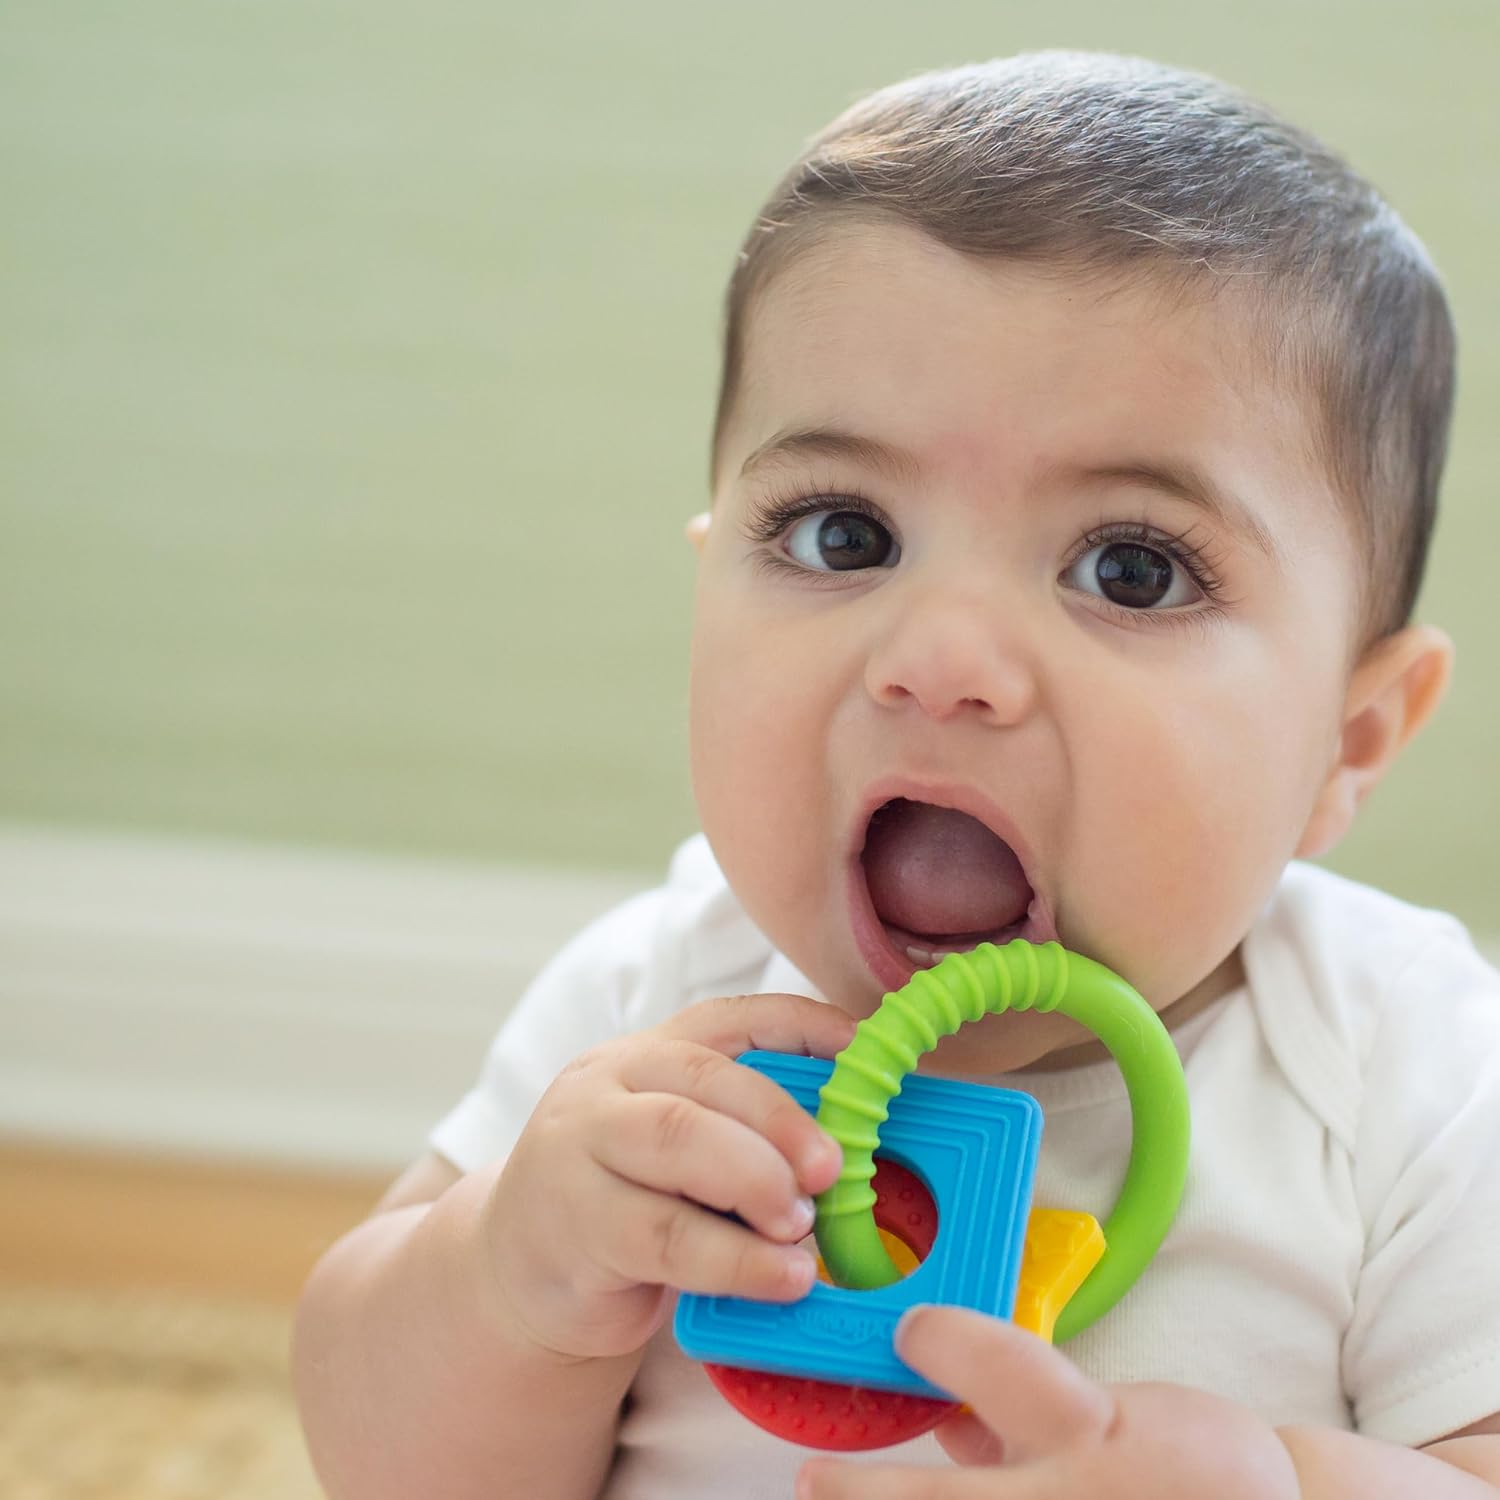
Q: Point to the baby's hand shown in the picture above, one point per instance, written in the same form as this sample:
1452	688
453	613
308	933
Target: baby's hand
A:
1036	1428
618	1188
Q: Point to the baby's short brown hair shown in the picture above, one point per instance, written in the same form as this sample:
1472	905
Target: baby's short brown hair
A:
1108	167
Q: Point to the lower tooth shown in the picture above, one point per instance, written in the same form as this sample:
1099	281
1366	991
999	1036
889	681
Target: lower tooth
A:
932	956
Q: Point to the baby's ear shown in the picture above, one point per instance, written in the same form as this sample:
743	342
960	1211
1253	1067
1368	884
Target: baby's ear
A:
696	531
1393	691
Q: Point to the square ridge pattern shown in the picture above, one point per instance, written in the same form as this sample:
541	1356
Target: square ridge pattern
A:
975	1147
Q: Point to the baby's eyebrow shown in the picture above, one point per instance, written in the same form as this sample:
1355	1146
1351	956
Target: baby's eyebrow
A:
835	442
1183	480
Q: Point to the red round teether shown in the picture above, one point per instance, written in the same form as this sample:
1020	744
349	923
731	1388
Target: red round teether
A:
823	1413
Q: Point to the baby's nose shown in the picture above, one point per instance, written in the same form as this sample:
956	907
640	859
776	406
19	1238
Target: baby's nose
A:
951	659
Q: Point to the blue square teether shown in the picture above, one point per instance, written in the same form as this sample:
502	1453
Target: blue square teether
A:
975	1147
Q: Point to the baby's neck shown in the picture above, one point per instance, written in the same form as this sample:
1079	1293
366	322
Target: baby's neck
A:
1228	976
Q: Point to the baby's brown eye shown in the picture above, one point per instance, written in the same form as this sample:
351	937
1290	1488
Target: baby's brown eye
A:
840	541
1134	576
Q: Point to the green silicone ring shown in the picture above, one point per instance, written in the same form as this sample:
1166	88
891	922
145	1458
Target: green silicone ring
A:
911	1021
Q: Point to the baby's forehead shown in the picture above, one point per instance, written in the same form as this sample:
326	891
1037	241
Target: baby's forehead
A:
882	325
842	295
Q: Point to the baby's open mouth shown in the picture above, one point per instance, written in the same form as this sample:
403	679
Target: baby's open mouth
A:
940	882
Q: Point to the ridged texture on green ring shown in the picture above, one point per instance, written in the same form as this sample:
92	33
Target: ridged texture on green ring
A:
934	1004
887	1046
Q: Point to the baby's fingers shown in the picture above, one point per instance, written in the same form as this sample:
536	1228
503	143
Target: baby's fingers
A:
676	1145
696	1074
668	1241
776	1023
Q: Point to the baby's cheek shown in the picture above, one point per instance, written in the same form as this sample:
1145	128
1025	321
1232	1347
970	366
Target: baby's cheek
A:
757	775
1177	881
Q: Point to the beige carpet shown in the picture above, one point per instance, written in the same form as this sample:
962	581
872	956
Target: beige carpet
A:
125	1396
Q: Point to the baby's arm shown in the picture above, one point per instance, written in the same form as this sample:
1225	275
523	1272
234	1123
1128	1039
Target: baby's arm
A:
479	1339
411	1384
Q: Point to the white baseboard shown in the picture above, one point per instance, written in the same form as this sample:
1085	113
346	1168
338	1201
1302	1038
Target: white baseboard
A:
262	1003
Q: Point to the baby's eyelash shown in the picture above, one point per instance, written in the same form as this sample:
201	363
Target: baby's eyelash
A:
1193	556
767	517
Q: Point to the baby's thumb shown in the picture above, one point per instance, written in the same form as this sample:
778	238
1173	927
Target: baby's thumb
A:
1034	1400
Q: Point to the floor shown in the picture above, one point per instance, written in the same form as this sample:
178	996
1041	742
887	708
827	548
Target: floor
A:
145	1307
90	1220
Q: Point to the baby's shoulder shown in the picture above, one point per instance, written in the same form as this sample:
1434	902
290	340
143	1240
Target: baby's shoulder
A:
1352	985
683	940
1357	946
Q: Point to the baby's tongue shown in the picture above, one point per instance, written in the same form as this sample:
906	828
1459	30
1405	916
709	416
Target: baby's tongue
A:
937	872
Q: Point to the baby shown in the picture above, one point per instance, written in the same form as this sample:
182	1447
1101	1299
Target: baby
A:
1076	455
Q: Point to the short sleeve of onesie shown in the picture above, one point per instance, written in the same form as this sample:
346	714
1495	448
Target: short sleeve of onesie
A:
631	968
1422	1352
1387	1020
578	1000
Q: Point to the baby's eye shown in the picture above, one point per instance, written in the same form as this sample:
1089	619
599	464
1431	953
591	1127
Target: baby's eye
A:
1134	576
839	541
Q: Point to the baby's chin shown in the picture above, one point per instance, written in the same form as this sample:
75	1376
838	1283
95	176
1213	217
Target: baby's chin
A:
992	1044
1008	1043
1016	1042
1012	1043
1226	976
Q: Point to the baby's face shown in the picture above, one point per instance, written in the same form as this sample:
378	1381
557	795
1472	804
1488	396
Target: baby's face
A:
1058	561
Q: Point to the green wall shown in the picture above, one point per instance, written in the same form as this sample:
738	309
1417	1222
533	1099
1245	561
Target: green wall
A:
358	358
